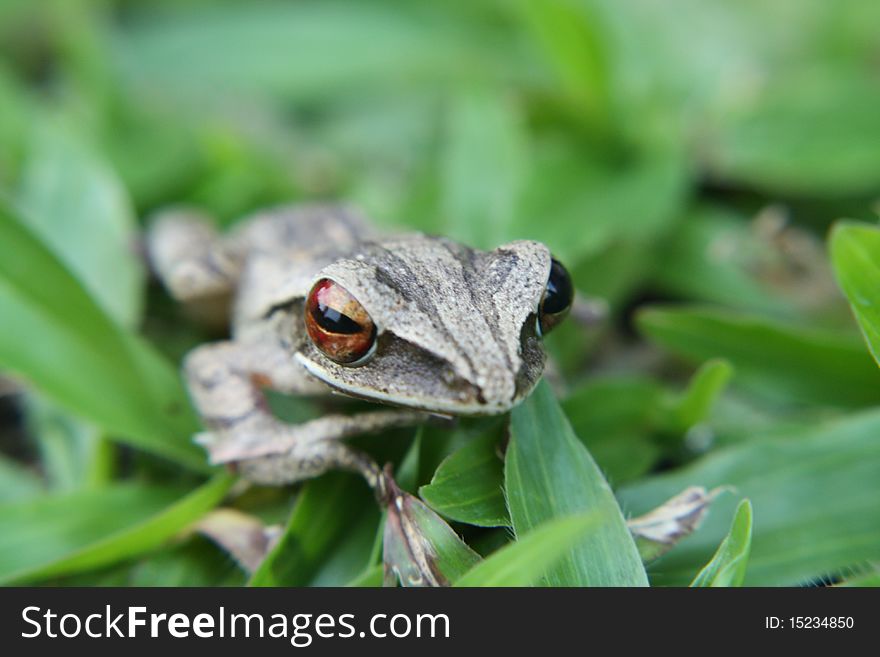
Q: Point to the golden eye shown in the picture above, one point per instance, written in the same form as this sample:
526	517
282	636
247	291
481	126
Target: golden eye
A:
557	299
338	324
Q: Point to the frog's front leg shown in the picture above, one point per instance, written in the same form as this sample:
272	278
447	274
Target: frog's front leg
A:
227	380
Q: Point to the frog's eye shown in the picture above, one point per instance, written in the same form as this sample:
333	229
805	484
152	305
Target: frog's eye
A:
338	324
557	298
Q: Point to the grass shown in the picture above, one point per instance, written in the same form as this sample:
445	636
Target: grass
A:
709	168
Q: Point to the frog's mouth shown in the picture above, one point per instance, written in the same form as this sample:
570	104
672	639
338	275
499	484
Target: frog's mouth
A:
401	374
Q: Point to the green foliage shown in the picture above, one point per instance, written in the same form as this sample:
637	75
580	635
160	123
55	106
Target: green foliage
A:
728	566
686	161
524	562
549	474
320	523
73	352
764	145
780	360
468	485
814	492
81	212
16	483
695	403
415	534
614	417
42	538
855	252
483	168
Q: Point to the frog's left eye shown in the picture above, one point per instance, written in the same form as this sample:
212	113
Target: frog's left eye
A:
338	324
557	299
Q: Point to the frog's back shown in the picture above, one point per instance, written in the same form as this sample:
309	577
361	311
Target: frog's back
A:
283	248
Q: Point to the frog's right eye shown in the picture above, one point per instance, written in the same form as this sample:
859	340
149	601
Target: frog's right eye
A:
557	299
338	324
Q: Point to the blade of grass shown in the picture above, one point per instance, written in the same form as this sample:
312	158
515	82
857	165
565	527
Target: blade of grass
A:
326	510
371	577
79	209
69	447
61	535
777	359
308	51
728	566
524	562
614	417
867	580
549	474
109	376
468	485
810	135
855	253
816	491
696	402
570	37
717	256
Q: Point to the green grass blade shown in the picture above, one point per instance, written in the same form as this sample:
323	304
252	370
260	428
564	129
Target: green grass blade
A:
371	577
569	185
777	359
816	491
855	254
109	376
524	562
326	510
800	138
696	402
70	448
407	474
571	39
614	416
73	533
351	554
865	580
80	210
468	485
728	566
691	267
549	474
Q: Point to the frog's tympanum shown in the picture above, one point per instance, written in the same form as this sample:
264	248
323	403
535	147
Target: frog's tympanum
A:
320	303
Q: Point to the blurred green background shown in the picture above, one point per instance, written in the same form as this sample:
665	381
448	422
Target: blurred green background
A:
685	159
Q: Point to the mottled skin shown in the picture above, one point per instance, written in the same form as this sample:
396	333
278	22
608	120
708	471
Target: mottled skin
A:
456	331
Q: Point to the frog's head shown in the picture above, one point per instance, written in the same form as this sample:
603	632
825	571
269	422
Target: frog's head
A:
428	323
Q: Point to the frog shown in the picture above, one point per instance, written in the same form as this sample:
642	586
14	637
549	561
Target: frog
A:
320	302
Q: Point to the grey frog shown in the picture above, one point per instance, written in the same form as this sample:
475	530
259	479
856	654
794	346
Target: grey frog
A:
321	303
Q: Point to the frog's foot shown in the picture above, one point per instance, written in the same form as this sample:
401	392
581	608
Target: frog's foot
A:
268	451
196	265
189	256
